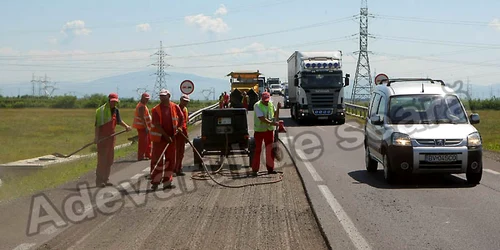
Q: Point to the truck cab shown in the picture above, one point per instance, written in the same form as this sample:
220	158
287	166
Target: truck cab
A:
316	86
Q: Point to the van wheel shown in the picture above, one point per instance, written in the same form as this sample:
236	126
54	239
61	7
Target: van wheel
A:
389	175
371	164
474	177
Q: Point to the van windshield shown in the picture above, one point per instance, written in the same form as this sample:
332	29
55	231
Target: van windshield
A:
426	109
275	86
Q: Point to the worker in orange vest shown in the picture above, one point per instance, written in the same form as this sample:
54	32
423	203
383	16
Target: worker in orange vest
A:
167	117
142	122
226	100
221	100
106	118
180	138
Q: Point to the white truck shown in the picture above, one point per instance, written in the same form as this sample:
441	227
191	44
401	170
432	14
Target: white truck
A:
316	86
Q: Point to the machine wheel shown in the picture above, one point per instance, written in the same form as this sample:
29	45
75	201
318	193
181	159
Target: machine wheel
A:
251	150
198	145
371	164
474	177
341	121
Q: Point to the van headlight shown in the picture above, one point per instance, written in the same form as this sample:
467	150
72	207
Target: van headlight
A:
474	140
400	139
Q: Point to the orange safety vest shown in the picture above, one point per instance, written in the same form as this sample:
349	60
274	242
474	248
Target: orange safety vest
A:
155	134
138	124
186	114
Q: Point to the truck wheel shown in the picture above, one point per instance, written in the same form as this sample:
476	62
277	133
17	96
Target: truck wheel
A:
341	121
251	150
292	112
198	145
474	177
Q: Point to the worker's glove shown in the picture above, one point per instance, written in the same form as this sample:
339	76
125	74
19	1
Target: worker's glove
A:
128	128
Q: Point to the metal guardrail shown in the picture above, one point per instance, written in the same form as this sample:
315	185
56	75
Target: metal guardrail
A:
356	110
196	116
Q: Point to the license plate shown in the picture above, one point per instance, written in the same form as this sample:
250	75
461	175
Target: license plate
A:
441	158
224	121
323	117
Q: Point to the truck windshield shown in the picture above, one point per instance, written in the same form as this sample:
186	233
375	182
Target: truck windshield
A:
426	109
317	80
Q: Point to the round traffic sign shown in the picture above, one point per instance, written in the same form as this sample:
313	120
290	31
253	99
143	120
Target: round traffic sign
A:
380	77
187	87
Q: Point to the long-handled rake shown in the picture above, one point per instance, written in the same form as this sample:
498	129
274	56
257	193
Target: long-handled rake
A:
87	145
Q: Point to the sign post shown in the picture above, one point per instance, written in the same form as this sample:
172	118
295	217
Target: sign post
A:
379	78
187	87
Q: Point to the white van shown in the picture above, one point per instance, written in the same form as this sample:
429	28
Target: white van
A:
421	126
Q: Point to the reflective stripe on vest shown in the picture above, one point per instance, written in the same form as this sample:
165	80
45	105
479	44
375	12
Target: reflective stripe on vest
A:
138	123
155	134
103	115
258	125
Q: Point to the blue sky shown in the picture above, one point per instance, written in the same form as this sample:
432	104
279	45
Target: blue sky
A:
85	40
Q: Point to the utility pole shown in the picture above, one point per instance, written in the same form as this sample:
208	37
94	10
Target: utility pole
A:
362	80
33	82
160	72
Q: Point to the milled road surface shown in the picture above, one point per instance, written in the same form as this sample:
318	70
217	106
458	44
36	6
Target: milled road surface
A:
196	215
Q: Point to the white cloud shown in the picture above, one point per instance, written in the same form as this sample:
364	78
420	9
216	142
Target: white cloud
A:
53	40
143	27
222	10
77	27
495	23
207	23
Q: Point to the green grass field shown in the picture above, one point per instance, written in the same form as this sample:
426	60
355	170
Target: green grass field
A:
30	133
488	128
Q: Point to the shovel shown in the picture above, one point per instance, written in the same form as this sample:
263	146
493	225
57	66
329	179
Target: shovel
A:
87	145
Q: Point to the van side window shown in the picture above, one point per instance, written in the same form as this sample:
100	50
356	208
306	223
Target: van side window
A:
381	107
375	102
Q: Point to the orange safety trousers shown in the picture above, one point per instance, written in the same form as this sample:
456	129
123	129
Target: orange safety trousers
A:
144	145
266	137
105	151
166	164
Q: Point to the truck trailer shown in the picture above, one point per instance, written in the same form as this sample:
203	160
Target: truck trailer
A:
316	86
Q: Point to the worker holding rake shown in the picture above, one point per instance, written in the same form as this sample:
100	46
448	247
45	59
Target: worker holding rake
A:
106	118
167	121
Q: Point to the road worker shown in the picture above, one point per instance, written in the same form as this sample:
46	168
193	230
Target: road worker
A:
166	118
180	138
245	100
142	122
264	126
226	100
221	100
106	118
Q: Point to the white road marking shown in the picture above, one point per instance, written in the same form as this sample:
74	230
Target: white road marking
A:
321	128
352	126
25	246
491	171
137	176
146	170
356	238
309	167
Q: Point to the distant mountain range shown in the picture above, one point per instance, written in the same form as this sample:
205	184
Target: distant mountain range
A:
127	84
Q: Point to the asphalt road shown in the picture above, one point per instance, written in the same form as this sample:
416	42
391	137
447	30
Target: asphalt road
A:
354	206
196	215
